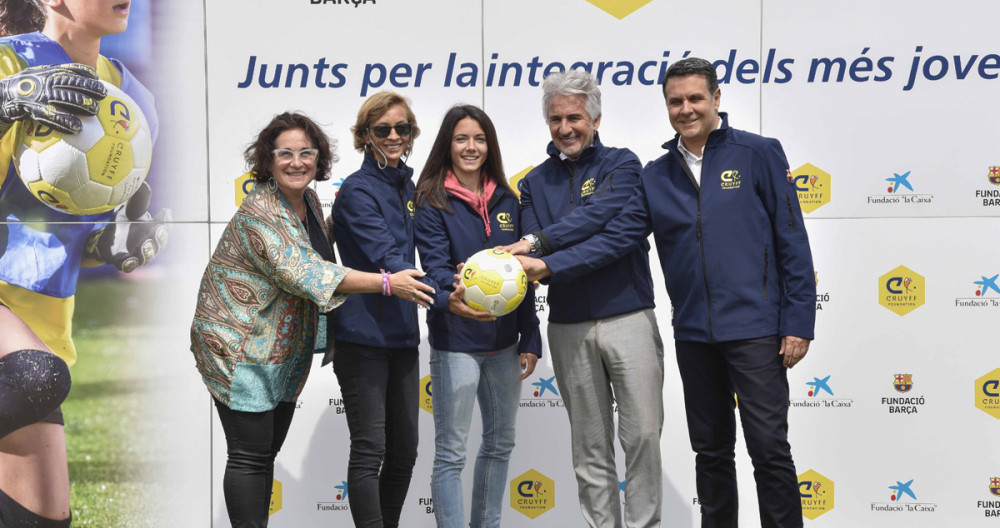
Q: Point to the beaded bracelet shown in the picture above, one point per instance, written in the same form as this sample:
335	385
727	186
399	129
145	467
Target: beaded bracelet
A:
386	289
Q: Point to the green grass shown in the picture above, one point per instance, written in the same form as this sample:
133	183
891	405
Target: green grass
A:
112	480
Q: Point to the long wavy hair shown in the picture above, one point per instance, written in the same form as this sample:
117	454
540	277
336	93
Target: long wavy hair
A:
260	156
21	16
430	186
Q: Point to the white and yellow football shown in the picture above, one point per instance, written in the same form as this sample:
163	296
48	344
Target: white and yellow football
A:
494	282
95	170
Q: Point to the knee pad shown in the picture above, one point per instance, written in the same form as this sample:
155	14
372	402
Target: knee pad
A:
33	383
13	515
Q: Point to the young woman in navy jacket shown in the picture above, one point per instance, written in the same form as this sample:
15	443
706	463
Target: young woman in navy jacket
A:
464	205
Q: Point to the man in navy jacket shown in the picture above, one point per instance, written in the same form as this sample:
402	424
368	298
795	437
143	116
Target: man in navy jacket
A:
737	266
605	344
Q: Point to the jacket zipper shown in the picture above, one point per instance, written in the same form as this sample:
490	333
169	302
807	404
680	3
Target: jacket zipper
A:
791	215
402	203
701	243
607	183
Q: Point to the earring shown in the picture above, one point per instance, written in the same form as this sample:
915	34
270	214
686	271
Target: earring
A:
272	186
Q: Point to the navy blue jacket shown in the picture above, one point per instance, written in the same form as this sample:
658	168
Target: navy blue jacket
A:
734	252
446	239
567	203
373	227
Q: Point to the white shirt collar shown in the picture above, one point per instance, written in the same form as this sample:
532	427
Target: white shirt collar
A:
688	156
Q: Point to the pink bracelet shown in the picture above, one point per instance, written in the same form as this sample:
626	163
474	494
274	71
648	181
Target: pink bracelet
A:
386	289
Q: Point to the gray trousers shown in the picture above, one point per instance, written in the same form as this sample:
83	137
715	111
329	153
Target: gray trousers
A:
597	364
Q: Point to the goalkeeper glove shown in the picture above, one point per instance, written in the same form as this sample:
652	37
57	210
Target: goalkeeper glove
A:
50	95
135	237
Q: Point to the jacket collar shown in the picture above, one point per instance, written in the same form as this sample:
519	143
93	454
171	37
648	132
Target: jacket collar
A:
584	156
714	138
394	176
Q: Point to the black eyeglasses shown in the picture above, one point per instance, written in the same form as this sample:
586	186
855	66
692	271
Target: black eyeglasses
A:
383	131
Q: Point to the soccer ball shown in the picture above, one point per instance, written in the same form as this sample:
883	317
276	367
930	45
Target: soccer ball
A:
93	171
494	282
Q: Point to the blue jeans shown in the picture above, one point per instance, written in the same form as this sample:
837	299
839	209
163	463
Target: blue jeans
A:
458	379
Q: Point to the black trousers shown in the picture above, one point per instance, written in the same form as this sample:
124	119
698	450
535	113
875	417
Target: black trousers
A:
253	440
380	388
751	369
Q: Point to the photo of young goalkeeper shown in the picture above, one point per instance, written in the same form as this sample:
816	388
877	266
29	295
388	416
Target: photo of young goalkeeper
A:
50	73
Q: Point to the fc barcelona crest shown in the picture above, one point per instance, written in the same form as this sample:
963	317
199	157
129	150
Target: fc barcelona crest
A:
995	486
994	175
903	382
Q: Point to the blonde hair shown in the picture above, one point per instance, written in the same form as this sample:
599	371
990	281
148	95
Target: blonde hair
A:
372	109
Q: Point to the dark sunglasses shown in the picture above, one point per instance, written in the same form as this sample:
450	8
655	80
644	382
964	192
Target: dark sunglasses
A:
383	131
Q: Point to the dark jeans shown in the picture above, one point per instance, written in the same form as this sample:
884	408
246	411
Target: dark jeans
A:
380	389
751	369
253	440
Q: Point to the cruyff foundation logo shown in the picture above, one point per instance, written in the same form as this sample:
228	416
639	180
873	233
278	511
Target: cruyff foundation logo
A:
901	290
505	221
812	185
243	185
729	180
816	493
275	504
532	493
987	393
515	180
426	394
619	8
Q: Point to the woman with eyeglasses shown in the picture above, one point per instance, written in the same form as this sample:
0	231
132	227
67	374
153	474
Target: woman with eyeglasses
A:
375	356
465	205
259	305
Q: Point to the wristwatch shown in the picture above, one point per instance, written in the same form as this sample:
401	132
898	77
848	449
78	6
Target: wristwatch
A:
533	243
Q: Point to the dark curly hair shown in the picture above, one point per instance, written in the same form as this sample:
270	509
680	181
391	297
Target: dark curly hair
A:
259	155
20	16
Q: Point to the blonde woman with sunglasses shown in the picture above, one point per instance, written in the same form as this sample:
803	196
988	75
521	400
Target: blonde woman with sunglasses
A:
376	338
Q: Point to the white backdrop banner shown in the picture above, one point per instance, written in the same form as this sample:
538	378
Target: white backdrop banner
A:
885	114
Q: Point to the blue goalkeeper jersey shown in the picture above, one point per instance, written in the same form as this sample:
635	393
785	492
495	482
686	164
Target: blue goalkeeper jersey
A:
41	249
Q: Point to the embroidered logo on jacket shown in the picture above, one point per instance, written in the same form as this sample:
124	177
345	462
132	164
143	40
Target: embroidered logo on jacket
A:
588	188
730	179
506	223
